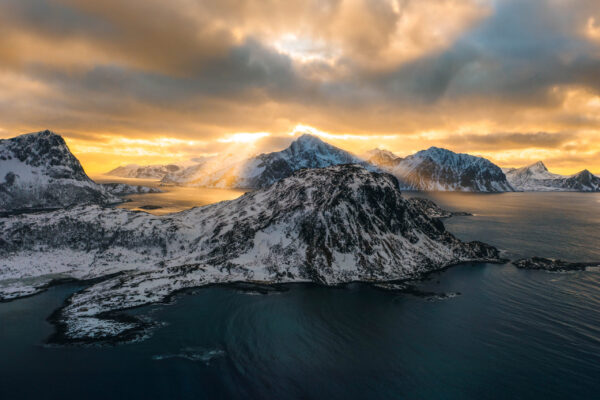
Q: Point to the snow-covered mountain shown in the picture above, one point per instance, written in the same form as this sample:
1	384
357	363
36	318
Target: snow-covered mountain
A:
537	178
123	189
306	151
437	169
331	225
145	171
432	169
38	171
382	158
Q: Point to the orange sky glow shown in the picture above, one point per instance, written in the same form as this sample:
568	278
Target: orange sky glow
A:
151	82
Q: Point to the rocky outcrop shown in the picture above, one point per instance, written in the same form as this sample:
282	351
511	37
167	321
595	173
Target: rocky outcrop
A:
550	264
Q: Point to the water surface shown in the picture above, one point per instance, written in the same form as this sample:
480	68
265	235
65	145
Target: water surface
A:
509	334
173	198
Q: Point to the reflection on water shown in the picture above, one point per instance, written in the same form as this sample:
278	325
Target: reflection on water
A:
173	198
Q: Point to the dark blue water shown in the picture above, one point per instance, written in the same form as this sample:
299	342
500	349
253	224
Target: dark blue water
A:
510	334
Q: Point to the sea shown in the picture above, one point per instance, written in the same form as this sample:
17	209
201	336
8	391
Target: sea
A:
473	331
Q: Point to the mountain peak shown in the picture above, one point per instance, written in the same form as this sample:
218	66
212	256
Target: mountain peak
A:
39	171
380	152
434	149
439	154
538	166
43	147
308	139
44	133
381	157
309	146
445	156
442	169
585	174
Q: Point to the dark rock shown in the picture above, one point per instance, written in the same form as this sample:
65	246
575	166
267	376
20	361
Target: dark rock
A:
549	264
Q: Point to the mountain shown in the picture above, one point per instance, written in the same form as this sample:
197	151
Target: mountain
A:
38	171
537	178
329	225
306	151
145	171
382	158
123	189
437	169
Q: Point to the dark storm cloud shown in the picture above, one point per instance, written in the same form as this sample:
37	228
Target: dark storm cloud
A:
161	55
518	54
201	69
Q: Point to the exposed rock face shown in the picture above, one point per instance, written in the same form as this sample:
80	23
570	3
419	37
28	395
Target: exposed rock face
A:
438	169
332	225
537	178
38	171
263	170
548	264
156	172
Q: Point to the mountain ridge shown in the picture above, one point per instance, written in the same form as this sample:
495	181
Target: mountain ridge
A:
439	169
537	177
306	151
432	169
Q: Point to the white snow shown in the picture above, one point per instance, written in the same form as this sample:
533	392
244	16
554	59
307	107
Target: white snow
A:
537	178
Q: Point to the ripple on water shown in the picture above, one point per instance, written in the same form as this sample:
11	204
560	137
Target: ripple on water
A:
193	354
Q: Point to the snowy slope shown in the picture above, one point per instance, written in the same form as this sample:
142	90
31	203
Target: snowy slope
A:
37	171
437	169
263	170
382	158
331	225
123	189
537	178
145	171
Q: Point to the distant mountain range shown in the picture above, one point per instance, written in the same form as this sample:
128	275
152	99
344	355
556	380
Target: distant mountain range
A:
155	172
428	170
39	171
537	178
265	169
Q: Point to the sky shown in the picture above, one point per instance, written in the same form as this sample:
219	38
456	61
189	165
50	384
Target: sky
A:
154	81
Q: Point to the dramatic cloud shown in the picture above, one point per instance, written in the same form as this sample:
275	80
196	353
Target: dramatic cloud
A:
154	81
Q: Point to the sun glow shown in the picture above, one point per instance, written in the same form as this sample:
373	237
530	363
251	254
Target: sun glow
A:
305	49
593	29
302	129
244	137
